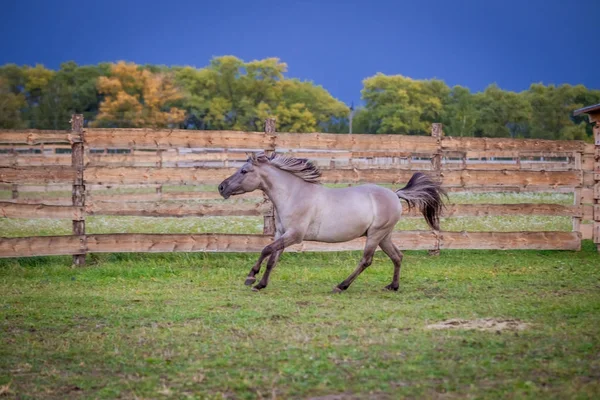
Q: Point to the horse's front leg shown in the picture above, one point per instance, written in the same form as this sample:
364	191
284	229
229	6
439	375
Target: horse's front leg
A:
256	268
273	259
287	239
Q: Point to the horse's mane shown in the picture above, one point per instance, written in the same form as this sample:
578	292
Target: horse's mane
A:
300	167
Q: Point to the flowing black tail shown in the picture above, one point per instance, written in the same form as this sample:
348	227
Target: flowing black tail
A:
426	195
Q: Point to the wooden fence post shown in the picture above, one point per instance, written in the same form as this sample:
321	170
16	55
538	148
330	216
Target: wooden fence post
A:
15	187
160	153
577	192
269	218
596	235
78	193
436	166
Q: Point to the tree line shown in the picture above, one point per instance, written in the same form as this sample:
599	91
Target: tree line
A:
231	94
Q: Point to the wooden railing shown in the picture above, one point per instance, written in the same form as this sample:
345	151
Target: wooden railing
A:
104	159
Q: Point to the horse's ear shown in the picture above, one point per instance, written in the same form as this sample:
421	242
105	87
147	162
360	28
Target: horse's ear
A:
261	157
256	158
270	155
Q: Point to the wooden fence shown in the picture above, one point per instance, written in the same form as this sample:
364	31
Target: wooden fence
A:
88	162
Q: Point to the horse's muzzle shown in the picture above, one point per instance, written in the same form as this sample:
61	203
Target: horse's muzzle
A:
223	190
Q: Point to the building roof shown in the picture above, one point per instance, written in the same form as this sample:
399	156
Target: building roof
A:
587	110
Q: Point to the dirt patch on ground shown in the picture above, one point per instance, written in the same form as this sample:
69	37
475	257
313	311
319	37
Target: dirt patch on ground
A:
350	396
487	324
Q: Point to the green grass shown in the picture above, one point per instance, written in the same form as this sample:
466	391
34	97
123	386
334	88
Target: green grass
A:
185	326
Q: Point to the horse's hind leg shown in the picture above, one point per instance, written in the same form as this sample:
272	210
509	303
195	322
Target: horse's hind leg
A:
395	255
366	260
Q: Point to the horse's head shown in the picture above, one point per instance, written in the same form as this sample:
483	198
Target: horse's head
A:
246	179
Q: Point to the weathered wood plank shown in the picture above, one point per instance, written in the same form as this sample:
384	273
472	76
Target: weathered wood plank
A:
48	201
57	245
171	209
234	243
517	153
509	189
480	166
33	188
587	231
589	148
41	246
167	196
511	240
416	240
355	142
172	157
8	160
454	189
497	166
35	136
587	195
468	178
18	210
587	162
158	243
504	144
165	138
35	175
139	159
150	205
131	177
484	210
179	176
589	178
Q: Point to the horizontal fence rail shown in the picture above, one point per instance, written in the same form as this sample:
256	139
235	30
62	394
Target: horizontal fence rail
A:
211	242
142	172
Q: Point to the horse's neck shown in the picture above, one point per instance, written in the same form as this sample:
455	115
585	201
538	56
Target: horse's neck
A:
281	187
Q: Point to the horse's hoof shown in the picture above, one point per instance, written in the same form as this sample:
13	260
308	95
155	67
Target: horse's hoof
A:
258	287
250	280
336	290
391	287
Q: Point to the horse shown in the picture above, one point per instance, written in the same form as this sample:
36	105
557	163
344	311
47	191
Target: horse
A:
307	210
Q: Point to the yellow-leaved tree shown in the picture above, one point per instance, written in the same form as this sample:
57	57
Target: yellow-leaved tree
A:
137	97
232	94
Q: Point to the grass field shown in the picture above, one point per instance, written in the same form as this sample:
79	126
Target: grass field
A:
185	326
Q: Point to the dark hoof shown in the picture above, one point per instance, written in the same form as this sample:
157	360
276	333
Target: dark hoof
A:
258	287
391	287
337	290
250	281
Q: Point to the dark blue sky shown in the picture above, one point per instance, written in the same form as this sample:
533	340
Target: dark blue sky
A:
334	43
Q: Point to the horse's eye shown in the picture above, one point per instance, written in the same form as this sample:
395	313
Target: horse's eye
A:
244	171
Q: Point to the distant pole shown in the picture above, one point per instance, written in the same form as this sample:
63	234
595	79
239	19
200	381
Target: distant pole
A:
350	117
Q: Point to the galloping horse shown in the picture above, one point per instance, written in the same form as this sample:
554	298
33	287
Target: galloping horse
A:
306	210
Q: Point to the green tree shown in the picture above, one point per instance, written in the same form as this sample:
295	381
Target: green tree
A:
10	106
460	113
51	97
232	94
501	113
328	112
398	104
552	111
